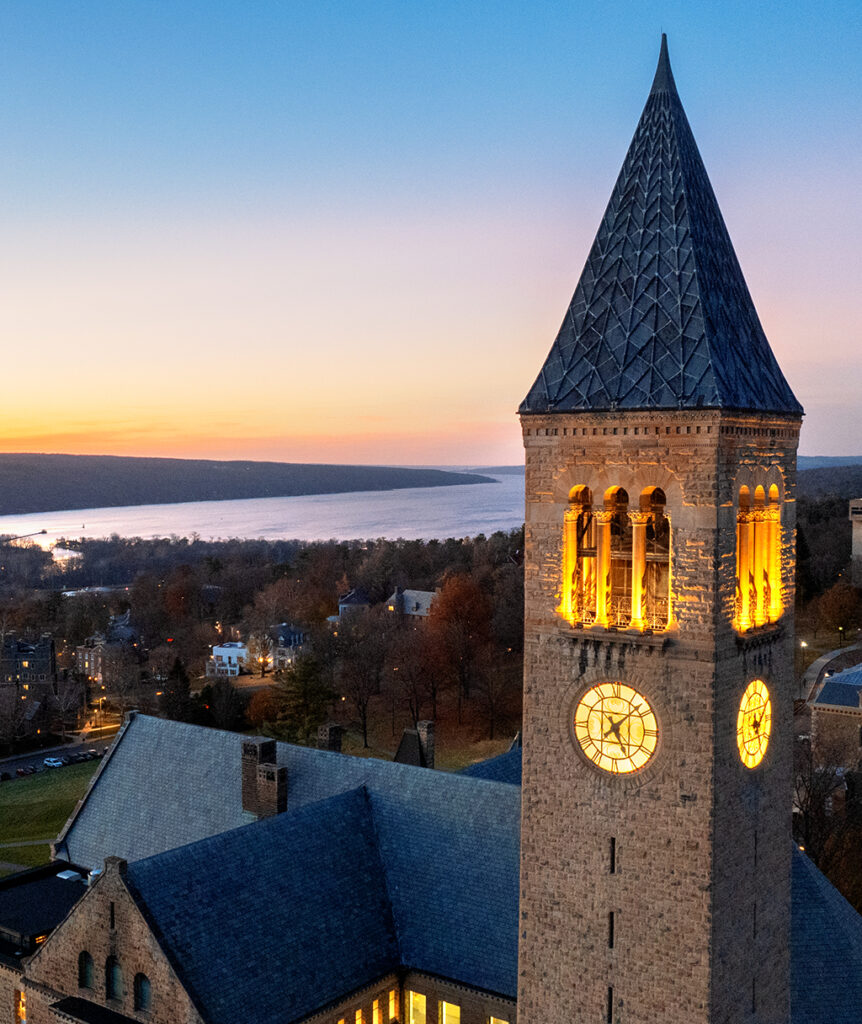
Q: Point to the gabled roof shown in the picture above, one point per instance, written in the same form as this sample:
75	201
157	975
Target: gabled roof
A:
321	901
661	317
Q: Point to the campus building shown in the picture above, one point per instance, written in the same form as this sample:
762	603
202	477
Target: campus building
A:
632	863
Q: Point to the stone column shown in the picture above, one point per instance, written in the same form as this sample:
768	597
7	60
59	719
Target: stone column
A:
568	604
760	559
743	569
603	518
639	521
773	526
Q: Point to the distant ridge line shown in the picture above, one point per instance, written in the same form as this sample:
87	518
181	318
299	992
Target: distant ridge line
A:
31	482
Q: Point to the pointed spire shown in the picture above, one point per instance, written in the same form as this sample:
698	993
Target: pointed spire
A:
663	81
661	317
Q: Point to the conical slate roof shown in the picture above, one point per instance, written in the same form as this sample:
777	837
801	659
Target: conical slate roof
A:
661	317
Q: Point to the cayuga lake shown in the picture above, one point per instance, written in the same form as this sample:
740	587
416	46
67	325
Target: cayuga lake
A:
413	513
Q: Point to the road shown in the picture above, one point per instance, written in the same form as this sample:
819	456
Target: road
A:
90	742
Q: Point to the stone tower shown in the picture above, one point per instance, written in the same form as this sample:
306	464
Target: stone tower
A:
660	445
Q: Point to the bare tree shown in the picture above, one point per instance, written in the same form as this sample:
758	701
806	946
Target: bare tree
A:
819	784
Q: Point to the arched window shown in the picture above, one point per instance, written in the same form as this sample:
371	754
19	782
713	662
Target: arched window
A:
579	558
85	970
113	979
654	569
615	560
142	992
758	558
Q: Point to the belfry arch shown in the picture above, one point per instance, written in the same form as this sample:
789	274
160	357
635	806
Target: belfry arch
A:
758	556
616	559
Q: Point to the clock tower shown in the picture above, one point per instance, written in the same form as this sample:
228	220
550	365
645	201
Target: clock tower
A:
660	442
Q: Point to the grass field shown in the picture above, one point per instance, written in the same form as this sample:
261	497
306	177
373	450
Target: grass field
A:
36	808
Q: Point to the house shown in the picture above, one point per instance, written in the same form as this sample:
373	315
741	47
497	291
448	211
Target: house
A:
227	659
413	603
287	642
106	657
836	719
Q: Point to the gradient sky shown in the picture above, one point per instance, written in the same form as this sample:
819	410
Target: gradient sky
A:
348	231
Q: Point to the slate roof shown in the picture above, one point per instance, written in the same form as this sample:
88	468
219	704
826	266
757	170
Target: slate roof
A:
661	317
503	768
325	900
825	950
842	689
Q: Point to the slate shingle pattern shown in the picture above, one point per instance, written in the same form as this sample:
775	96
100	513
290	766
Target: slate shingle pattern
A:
825	950
842	689
288	913
373	866
661	317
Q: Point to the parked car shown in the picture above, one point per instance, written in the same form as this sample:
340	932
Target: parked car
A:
52	762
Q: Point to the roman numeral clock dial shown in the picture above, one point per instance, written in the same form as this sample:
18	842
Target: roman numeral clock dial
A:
616	728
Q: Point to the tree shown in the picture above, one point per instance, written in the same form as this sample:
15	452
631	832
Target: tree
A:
259	651
838	608
459	625
176	696
818	778
302	699
224	704
12	713
363	644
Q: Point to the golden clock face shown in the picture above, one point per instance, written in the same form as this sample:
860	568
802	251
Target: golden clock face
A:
754	723
616	728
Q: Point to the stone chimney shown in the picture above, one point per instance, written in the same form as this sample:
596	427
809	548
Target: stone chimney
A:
264	782
329	737
426	741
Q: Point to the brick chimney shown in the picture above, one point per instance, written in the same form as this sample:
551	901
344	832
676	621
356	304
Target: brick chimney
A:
329	737
264	782
426	741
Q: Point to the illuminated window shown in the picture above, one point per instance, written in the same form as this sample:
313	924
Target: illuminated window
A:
375	1012
448	1013
758	558
416	1008
20	1008
497	1020
358	1018
85	970
616	560
26	664
143	996
393	995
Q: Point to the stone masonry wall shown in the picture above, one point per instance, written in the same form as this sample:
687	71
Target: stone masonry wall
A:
683	827
53	971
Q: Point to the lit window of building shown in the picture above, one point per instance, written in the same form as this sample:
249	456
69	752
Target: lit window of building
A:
416	1005
448	1013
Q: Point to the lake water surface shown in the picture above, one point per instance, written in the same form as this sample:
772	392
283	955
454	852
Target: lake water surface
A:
412	513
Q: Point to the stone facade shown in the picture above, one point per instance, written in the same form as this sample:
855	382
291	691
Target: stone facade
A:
692	853
105	923
855	516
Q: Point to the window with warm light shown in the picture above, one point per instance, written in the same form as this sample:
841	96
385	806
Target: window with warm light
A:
20	1007
758	558
616	560
393	1004
497	1020
358	1017
448	1013
375	1012
416	1007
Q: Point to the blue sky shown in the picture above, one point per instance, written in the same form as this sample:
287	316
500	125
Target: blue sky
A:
348	231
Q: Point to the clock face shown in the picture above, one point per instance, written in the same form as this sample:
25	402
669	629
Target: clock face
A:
754	723
616	728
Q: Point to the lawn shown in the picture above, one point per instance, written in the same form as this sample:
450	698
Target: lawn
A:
37	807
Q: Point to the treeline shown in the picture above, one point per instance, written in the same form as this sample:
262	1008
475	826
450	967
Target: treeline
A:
45	483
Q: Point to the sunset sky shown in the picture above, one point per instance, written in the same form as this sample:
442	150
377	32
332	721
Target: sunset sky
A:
348	231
